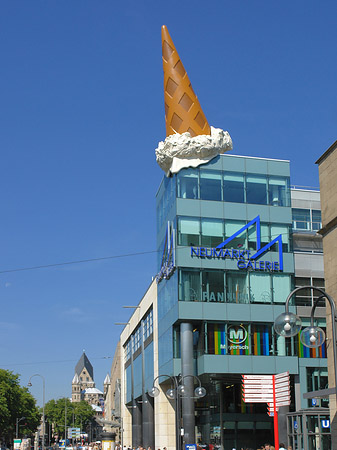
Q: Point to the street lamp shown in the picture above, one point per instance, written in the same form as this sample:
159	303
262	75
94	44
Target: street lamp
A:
288	324
17	426
173	393
44	391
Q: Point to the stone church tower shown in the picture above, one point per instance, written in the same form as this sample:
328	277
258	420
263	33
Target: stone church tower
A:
83	385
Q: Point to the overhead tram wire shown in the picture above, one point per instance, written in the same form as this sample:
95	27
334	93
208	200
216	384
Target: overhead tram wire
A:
51	362
82	261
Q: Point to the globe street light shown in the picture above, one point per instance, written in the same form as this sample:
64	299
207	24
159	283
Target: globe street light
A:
43	418
174	393
288	324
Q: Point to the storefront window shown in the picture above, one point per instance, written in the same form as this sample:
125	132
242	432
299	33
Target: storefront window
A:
261	339
210	185
256	187
234	188
317	379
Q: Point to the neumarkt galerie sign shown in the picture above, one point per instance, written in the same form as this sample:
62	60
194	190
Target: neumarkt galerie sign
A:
246	259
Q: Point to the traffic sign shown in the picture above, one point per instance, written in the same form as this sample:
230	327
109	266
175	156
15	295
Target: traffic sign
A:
257	391
281	375
281	385
285	403
257	377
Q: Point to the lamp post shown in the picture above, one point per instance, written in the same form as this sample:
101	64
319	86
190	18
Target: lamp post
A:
288	324
44	390
173	394
17	426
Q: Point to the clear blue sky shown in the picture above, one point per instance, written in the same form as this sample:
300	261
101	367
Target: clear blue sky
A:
81	113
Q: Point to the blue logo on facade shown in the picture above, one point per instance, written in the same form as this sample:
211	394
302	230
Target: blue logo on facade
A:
168	258
246	258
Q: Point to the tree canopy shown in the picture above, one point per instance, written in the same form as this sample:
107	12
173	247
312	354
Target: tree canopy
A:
79	414
16	402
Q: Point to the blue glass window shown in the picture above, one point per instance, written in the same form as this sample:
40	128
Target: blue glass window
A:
189	231
188	184
279	192
256	186
210	185
233	188
212	233
213	286
189	285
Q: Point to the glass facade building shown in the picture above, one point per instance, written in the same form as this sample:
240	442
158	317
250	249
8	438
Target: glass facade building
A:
233	240
222	214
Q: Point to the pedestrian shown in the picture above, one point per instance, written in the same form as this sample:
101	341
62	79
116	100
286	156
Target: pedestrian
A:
282	446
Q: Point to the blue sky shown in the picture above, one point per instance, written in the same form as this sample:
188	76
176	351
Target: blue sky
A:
81	114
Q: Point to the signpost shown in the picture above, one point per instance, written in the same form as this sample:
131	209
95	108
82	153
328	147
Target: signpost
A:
271	389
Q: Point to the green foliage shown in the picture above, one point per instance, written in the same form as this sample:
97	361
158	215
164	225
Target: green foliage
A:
78	413
16	402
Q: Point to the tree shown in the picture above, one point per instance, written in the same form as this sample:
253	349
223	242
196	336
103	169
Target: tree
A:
16	402
79	414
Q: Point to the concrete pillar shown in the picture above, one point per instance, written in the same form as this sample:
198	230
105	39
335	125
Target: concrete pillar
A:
186	340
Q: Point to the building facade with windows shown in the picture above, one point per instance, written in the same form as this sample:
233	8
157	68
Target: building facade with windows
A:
233	240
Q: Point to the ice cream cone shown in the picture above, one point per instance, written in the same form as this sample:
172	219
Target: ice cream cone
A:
182	108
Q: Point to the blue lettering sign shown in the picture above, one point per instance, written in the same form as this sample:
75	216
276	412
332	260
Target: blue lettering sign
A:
245	258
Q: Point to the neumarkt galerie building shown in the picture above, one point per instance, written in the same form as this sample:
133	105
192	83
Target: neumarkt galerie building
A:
225	268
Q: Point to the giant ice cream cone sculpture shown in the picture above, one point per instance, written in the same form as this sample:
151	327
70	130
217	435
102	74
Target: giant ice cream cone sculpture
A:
190	141
182	108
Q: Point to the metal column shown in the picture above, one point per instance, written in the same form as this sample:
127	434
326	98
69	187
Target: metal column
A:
186	339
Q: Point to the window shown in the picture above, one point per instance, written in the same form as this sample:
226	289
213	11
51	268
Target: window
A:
236	288
260	287
233	188
188	184
281	287
279	192
127	350
306	297
189	286
317	379
211	232
316	219
188	231
256	189
231	227
301	219
210	185
283	230
148	325
213	286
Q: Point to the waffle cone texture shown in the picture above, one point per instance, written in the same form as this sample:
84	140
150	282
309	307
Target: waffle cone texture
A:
183	112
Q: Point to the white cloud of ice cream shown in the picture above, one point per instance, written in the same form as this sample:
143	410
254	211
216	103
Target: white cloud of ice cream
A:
180	151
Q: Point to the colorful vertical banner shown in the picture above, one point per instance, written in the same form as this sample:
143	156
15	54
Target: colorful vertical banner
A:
216	339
